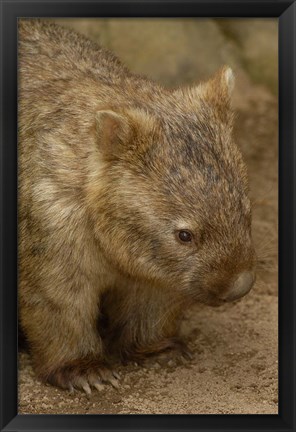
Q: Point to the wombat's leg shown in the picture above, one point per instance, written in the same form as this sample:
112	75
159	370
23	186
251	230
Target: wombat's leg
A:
143	324
60	323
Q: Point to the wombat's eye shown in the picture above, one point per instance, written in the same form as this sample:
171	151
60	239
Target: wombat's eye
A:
184	236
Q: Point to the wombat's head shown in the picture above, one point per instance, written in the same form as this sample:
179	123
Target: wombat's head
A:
173	205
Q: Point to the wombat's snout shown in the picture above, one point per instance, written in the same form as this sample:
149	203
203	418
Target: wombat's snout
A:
240	287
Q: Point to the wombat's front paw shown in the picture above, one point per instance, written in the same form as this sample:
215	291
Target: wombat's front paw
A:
83	374
178	355
169	352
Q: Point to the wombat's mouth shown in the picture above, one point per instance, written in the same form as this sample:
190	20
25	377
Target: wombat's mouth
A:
209	298
213	301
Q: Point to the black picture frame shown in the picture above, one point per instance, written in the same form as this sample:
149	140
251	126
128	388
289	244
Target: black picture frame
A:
285	11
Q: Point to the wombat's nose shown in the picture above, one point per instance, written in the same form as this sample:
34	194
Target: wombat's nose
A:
241	286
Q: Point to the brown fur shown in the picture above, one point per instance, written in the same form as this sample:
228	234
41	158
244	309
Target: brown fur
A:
110	166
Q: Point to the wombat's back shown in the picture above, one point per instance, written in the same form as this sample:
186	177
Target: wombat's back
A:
52	52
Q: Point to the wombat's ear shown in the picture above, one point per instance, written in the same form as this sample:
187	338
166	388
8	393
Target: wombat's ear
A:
220	87
112	131
228	79
217	92
224	78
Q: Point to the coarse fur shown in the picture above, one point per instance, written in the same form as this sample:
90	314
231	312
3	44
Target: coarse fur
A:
111	167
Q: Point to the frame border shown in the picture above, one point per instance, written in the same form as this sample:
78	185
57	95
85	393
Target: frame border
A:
285	11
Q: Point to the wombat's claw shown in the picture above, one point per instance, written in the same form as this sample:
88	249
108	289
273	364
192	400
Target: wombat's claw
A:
106	376
116	375
109	376
98	386
82	384
114	383
87	389
95	382
71	388
187	354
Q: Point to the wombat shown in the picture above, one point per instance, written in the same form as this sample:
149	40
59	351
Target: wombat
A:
133	205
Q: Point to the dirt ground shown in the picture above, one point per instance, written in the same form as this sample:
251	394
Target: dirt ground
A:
234	369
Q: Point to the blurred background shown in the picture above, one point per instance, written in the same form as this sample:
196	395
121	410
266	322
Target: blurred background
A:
235	347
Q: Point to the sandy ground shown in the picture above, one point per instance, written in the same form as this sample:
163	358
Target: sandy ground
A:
234	369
